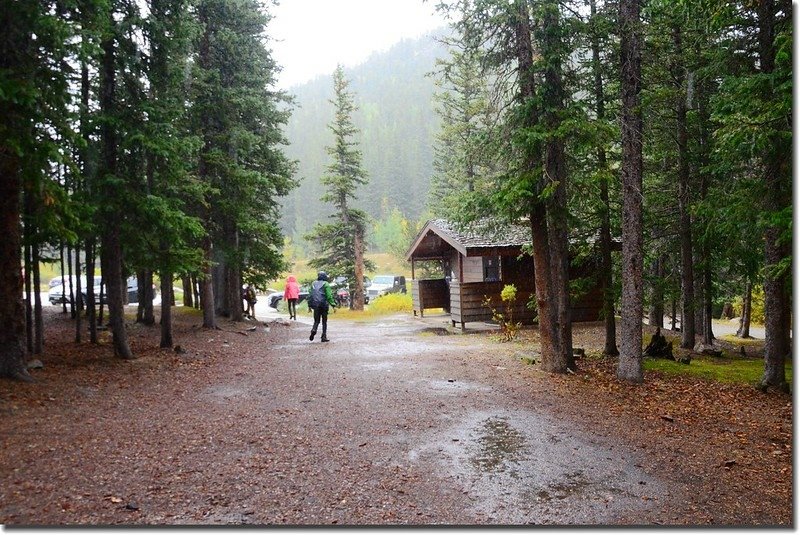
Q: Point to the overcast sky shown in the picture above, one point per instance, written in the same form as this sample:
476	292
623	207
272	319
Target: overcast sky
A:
312	36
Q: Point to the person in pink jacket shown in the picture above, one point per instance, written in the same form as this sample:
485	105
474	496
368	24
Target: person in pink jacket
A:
291	293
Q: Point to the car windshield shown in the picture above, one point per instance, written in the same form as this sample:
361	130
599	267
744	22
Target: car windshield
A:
383	279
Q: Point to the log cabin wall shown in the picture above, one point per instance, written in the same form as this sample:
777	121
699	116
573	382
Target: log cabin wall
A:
467	299
429	293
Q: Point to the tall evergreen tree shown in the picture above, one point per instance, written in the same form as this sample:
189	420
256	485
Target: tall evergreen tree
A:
238	118
111	184
630	358
522	43
462	156
341	244
169	149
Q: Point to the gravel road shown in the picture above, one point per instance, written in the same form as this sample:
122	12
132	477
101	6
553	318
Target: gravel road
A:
395	421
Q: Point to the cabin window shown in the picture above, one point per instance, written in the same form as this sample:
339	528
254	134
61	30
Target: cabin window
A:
491	268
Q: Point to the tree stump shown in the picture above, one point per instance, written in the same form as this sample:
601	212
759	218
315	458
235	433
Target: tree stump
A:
659	347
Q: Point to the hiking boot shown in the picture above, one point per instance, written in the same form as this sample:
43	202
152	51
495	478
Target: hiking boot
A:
324	339
312	336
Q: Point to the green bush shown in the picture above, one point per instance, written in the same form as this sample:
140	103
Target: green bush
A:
391	303
506	321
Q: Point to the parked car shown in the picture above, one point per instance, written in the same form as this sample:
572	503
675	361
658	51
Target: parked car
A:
386	284
341	290
274	299
58	294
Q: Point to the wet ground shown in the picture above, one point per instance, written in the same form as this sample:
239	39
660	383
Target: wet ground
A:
394	421
399	394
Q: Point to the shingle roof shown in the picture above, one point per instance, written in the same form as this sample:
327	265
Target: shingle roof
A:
485	233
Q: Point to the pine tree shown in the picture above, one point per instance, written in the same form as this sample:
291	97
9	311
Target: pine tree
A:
238	119
340	245
630	358
462	156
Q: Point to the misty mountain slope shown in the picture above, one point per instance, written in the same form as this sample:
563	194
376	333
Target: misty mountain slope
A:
397	123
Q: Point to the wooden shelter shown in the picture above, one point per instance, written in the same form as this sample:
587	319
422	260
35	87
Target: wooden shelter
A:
477	263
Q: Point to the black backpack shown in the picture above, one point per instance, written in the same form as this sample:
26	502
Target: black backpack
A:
317	296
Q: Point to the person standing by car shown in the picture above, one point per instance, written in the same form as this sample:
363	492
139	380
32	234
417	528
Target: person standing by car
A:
320	300
249	295
291	294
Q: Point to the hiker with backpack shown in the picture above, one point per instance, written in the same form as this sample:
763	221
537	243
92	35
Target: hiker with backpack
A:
320	299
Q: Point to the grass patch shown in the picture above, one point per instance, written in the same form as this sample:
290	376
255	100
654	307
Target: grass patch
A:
736	370
747	342
391	303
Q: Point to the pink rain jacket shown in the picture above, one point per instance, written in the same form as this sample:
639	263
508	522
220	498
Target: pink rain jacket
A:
292	290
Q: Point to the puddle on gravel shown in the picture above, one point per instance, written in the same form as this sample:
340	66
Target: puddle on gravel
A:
224	391
526	467
498	445
438	331
452	385
572	483
379	366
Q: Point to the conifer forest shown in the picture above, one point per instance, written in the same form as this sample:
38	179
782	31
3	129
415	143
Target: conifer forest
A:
149	139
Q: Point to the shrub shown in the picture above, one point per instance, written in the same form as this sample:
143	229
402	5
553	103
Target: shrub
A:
508	327
394	302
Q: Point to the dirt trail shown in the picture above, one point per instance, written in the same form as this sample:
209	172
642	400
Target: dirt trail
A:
390	422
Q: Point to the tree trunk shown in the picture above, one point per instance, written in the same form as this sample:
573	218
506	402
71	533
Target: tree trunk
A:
86	131
357	299
778	181
606	277
38	340
166	308
188	291
744	320
705	144
144	310
91	311
69	289
538	214
12	309
110	237
28	290
63	281
685	223
29	233
656	315
234	290
555	171
207	287
630	359
708	300
219	278
673	324
102	298
79	302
